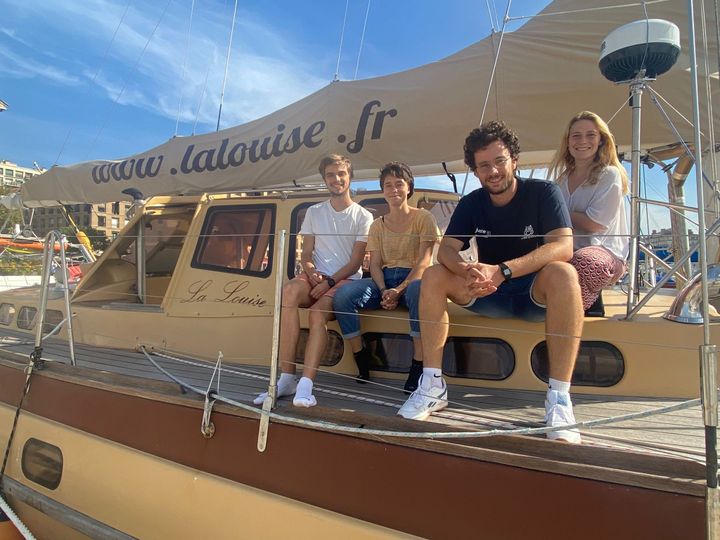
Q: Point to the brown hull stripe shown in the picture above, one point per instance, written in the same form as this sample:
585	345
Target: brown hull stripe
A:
420	492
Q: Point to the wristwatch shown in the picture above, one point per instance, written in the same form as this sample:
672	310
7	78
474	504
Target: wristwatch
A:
330	281
506	272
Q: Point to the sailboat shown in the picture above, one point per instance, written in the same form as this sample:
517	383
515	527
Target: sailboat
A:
135	420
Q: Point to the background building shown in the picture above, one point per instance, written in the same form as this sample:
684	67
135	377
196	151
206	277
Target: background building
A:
107	218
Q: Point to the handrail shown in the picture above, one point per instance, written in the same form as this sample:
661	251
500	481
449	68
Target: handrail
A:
48	256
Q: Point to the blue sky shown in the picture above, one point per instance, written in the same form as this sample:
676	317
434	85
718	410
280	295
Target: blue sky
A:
82	86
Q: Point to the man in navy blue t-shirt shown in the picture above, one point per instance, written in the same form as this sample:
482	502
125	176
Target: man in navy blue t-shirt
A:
524	239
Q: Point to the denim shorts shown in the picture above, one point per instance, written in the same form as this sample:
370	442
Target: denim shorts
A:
513	299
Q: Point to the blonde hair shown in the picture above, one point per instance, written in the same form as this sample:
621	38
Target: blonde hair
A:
563	163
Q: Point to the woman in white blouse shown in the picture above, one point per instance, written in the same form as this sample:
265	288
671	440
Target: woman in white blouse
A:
593	183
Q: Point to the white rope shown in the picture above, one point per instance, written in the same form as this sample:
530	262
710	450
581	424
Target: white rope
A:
362	40
19	525
432	434
342	37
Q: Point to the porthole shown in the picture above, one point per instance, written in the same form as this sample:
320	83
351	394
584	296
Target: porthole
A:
598	364
473	358
42	463
333	351
53	317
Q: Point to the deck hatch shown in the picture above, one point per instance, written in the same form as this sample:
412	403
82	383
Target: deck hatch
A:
7	313
42	463
599	363
466	357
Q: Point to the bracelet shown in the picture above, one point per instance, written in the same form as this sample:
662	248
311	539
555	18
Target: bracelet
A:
383	290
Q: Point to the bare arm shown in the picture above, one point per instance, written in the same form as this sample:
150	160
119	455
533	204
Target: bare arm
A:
449	255
376	271
356	259
558	246
582	222
306	260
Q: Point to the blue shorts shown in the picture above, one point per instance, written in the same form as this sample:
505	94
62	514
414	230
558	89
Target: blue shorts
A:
513	299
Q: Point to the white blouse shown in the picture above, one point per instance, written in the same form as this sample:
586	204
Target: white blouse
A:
604	203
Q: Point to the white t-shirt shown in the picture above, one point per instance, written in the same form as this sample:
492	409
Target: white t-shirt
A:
604	203
335	235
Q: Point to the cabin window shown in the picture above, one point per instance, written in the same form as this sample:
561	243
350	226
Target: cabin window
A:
295	245
333	351
42	463
26	317
7	312
237	239
473	358
598	364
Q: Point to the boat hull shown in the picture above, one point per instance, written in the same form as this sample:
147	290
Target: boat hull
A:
135	460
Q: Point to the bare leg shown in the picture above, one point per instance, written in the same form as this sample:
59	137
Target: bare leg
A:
296	293
558	288
438	284
320	313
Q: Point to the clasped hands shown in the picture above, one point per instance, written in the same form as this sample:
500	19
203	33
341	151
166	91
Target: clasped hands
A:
390	299
481	279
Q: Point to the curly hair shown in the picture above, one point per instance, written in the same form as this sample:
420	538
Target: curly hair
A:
563	163
398	169
335	159
486	134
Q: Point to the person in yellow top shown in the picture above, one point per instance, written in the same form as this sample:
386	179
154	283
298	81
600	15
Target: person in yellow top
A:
400	244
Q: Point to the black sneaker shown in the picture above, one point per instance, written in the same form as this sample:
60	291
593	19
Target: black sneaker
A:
413	380
362	359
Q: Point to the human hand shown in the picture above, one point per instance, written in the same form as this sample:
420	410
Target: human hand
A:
479	279
319	290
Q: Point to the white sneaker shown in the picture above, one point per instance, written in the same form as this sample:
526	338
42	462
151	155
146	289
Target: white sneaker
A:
559	412
425	400
282	391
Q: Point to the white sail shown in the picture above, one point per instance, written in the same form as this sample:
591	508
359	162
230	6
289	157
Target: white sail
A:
547	71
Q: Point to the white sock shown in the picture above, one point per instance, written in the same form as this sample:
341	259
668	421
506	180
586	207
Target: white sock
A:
285	381
303	394
304	388
559	386
434	375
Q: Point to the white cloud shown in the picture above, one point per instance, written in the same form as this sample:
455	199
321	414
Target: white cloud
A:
264	75
21	66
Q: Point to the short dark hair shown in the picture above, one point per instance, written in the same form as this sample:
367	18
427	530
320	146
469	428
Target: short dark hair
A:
490	132
398	169
333	159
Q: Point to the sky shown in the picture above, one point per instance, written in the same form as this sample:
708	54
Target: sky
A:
104	79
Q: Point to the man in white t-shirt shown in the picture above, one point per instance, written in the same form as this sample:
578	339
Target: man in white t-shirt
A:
334	238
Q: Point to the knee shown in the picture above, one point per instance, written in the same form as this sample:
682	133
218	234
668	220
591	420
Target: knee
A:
291	295
559	278
434	280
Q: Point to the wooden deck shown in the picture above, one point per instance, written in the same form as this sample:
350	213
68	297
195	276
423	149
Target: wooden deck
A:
677	434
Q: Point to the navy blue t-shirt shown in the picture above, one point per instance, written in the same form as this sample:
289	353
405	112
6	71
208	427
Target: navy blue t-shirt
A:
507	232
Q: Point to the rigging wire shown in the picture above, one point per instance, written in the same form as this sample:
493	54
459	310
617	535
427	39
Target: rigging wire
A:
362	40
97	72
490	16
227	65
184	66
708	90
495	63
122	90
342	37
202	98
